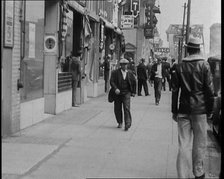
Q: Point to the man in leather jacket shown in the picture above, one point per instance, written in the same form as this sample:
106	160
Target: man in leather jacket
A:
124	84
194	80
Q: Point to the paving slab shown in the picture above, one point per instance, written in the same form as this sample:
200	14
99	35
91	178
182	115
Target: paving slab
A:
20	158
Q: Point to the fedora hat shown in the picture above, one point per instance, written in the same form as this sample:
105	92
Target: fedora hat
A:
193	42
124	61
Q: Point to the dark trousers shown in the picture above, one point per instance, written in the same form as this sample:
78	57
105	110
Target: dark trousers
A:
106	85
166	78
74	89
145	86
125	101
157	88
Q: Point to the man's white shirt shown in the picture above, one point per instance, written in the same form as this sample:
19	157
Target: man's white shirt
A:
124	73
159	69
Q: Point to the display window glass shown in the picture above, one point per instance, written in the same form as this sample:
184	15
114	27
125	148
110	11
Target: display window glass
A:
32	63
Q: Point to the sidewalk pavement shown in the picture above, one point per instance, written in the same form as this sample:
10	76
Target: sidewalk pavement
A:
84	142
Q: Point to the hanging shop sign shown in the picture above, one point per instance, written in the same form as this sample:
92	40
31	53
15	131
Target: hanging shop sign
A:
112	46
8	23
127	21
135	7
162	50
148	32
101	45
50	44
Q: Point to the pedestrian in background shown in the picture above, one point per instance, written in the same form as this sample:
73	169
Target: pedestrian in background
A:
172	70
157	77
194	80
149	69
65	64
106	65
123	83
131	66
166	75
75	69
142	77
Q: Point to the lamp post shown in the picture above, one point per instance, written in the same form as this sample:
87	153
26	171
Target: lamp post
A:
188	23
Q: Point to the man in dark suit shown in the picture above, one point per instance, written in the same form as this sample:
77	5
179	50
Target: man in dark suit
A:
106	65
172	70
166	75
157	73
123	83
75	69
142	77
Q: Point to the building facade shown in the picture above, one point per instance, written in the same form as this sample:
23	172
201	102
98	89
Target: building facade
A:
37	36
134	25
215	39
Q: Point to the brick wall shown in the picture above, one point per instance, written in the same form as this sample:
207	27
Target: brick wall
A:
15	124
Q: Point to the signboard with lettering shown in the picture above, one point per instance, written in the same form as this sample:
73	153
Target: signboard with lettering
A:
101	45
8	23
148	33
135	7
162	50
127	21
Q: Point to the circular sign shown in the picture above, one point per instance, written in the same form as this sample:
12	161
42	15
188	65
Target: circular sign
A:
50	43
112	47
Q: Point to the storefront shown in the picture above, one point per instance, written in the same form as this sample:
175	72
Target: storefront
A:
35	80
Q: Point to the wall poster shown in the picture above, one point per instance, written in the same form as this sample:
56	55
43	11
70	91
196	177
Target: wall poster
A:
9	23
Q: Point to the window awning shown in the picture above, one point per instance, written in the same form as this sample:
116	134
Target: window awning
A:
107	23
76	6
118	30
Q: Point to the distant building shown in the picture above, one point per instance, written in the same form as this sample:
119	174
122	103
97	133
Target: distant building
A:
215	39
174	35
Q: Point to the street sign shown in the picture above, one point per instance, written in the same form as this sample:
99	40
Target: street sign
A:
127	21
135	7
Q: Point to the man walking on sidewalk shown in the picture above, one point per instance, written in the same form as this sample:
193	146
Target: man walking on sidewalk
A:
142	78
157	72
166	75
193	78
124	84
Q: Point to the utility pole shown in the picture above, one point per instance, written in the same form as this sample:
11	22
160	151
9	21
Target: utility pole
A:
182	39
188	23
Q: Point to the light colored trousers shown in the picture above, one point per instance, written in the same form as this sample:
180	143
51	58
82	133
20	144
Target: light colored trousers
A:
191	128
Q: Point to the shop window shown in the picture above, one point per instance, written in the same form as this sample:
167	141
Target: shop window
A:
33	58
69	35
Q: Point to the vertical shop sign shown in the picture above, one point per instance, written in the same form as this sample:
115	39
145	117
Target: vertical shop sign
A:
9	23
32	29
101	45
135	7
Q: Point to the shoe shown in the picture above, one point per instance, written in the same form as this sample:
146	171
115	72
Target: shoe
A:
75	105
126	129
157	103
201	177
147	95
119	125
139	94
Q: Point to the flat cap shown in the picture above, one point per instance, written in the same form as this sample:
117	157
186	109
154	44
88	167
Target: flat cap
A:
124	60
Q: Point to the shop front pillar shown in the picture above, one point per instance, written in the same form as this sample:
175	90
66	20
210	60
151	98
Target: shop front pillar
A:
51	56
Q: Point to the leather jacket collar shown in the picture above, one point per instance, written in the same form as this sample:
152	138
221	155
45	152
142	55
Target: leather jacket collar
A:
194	57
